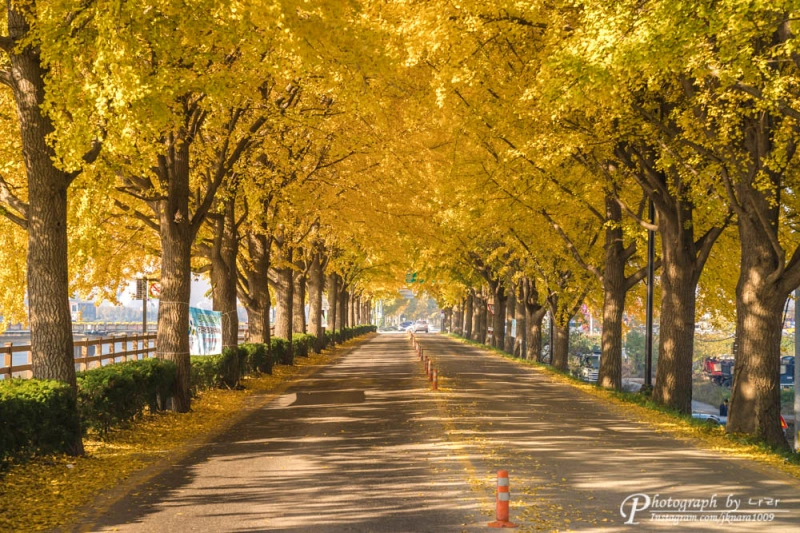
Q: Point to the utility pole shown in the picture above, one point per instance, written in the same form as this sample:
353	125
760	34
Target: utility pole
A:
648	341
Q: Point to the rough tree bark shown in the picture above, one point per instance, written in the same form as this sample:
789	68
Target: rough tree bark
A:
511	309
468	315
253	287
224	274
52	350
765	281
284	296
477	302
299	302
520	342
316	281
483	324
534	315
498	319
343	305
332	288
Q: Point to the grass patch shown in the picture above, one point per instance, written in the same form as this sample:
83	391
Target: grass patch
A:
48	491
668	420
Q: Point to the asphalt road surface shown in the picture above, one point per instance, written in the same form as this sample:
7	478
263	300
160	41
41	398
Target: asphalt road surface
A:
365	445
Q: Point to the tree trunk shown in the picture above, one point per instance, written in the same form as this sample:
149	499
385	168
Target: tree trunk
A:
469	316
673	387
299	303
224	275
755	401
534	315
342	312
511	309
284	298
483	330
610	371
520	342
316	280
560	357
52	350
498	319
477	302
172	338
352	303
256	297
331	320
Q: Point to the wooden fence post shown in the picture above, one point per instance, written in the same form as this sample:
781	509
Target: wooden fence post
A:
7	359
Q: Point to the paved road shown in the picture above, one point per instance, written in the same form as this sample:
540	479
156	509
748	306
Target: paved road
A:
364	445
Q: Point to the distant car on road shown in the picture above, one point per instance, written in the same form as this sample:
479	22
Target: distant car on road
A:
421	325
404	326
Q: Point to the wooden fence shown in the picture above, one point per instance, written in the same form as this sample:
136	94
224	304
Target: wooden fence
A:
89	353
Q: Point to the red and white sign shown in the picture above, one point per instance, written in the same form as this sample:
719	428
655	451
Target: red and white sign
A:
154	289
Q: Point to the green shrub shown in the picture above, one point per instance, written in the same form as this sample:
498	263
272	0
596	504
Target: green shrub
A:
36	416
229	367
302	344
112	394
256	358
281	354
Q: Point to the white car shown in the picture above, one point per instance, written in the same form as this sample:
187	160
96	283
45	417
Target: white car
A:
421	325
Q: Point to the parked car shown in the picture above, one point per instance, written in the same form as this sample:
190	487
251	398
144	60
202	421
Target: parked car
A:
714	420
421	325
717	420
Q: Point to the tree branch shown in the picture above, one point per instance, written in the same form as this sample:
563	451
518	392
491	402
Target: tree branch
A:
5	78
148	221
8	197
571	246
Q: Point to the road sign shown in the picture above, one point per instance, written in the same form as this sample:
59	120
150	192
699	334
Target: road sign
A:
154	289
140	289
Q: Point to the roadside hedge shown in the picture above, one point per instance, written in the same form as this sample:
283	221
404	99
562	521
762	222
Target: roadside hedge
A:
280	351
254	358
303	343
112	394
36	416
